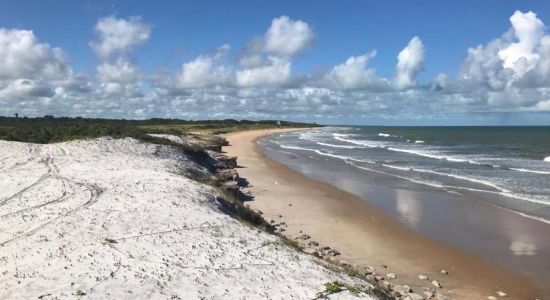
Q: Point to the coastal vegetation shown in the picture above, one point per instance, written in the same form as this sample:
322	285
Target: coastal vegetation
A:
50	129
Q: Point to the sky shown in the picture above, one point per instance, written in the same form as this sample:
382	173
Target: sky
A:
331	62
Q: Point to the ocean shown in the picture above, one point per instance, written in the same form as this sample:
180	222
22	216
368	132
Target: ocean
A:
505	166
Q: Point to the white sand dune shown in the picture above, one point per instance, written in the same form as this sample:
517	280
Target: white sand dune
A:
118	219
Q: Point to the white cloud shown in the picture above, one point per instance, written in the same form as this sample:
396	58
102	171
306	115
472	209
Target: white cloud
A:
410	63
119	36
286	37
354	74
25	88
121	72
277	72
22	56
204	71
508	74
528	30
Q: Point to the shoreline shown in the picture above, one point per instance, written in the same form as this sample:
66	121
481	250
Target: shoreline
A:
363	234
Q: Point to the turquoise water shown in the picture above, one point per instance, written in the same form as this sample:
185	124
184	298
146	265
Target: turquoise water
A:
507	166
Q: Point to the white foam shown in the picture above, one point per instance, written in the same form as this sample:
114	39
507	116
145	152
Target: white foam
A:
530	171
419	142
434	156
341	134
360	142
384	134
475	180
547	159
338	146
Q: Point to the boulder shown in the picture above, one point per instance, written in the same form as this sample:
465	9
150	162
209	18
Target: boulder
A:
386	285
423	277
391	276
436	284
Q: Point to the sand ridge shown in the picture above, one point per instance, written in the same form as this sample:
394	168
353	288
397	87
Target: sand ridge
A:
118	219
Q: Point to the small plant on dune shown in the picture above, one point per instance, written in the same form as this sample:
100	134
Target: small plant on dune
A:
108	241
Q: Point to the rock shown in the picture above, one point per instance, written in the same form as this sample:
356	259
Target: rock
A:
439	296
423	277
402	290
386	285
290	204
391	276
492	298
413	296
228	162
429	294
228	175
378	277
333	252
369	270
501	294
437	284
370	278
303	237
313	244
444	272
231	186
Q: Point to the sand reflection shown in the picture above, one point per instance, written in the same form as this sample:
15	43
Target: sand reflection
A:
409	207
523	248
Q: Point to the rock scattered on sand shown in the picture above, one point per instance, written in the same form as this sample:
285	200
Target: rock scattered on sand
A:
501	294
313	244
369	270
423	277
386	285
429	294
402	290
303	237
444	272
391	276
413	296
436	284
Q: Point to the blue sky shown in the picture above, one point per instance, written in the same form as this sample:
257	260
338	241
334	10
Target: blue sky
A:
180	32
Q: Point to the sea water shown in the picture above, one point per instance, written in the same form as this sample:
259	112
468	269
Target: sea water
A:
506	166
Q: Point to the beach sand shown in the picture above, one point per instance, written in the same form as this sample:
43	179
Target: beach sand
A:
363	234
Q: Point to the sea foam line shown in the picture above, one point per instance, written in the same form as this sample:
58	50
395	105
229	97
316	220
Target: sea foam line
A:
530	171
475	180
339	146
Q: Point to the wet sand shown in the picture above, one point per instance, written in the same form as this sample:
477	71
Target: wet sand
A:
364	234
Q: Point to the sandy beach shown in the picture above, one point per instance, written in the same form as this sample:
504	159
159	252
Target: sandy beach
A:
363	234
